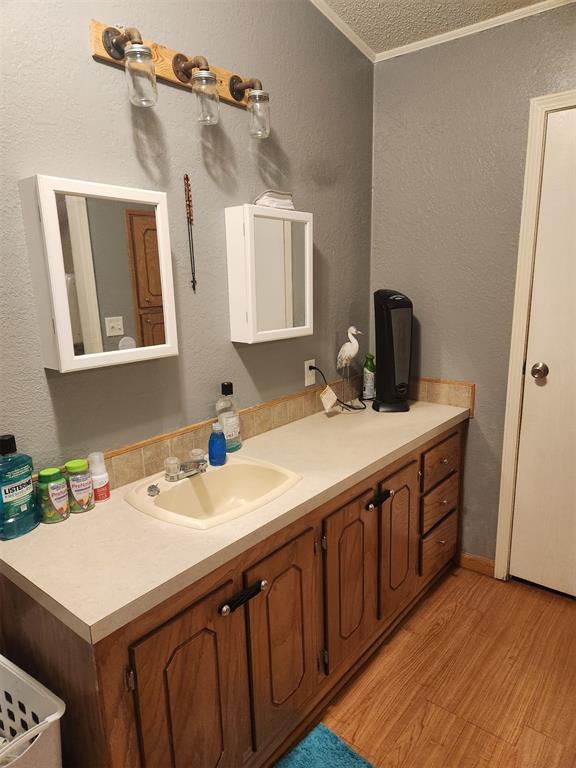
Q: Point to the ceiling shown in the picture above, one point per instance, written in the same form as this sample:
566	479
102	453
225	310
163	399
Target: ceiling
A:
379	27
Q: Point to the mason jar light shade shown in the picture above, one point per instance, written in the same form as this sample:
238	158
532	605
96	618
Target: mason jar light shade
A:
259	114
207	98
141	76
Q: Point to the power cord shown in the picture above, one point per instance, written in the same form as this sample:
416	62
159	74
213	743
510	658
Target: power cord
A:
341	403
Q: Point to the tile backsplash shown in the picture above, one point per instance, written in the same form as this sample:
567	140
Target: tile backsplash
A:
133	462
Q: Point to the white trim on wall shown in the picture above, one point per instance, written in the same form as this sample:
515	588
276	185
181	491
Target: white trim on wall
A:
539	109
445	37
472	29
346	30
85	278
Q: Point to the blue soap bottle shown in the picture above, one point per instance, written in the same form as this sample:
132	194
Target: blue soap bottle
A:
19	512
217	446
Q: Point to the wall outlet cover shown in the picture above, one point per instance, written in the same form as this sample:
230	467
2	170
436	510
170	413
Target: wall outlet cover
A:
309	376
114	326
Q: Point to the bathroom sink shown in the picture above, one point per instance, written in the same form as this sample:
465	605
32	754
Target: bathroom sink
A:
213	497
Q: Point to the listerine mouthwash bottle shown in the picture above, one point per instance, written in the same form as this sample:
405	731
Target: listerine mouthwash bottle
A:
18	510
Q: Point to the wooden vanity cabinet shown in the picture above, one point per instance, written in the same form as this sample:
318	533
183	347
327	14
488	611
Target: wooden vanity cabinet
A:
350	546
399	540
183	685
284	640
191	682
439	546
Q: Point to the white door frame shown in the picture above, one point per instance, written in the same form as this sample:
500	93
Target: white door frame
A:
85	277
540	108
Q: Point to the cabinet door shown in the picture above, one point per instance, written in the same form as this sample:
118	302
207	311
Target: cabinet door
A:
192	689
351	568
152	328
399	542
283	626
143	247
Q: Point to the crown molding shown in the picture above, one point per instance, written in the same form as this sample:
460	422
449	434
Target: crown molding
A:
346	30
472	29
445	37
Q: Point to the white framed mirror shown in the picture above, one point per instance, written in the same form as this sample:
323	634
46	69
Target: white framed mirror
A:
102	272
270	273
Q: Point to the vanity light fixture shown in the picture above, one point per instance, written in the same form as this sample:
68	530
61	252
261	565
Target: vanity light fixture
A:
204	85
139	65
258	104
146	61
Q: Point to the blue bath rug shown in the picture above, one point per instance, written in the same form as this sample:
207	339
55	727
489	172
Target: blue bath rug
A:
322	749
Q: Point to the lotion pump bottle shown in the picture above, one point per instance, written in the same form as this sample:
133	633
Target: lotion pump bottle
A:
100	479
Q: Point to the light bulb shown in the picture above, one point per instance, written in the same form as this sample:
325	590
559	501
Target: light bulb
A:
207	98
259	114
141	76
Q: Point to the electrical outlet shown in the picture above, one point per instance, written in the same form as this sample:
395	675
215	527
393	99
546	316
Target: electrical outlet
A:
309	376
114	326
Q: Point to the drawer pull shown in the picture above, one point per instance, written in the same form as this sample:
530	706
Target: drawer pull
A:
240	598
442	541
444	501
444	460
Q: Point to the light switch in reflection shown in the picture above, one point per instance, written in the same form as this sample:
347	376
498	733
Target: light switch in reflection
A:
114	326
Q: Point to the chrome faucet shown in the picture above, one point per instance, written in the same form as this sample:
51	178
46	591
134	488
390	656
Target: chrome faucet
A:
175	470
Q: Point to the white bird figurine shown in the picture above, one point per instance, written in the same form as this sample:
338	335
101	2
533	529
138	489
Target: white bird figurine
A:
349	350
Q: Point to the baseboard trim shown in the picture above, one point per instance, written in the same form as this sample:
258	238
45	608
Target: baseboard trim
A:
476	563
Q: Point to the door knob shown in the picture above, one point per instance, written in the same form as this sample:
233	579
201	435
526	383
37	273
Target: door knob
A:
539	370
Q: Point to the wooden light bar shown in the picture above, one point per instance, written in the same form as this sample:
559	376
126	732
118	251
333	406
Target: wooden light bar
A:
162	57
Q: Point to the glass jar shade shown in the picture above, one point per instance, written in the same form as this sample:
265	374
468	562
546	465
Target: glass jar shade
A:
207	97
259	114
141	76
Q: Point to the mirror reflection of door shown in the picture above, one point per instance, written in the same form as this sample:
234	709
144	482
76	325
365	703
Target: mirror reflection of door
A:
80	275
112	271
146	279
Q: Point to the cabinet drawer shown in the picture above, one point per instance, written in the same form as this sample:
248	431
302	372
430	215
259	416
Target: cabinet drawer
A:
441	461
439	546
440	501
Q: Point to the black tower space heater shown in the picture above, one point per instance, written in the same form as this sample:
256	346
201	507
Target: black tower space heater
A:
393	319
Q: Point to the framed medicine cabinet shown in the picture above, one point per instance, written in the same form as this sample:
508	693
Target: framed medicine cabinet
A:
270	285
101	270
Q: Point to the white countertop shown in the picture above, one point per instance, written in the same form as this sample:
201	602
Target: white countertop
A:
99	570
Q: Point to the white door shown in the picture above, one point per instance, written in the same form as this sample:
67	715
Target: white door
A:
544	524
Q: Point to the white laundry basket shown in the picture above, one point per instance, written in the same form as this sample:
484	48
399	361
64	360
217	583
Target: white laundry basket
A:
29	720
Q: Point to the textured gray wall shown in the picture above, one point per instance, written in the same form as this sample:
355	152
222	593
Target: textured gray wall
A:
450	129
69	116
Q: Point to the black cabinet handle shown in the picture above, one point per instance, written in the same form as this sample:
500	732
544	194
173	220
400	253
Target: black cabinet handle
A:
379	498
242	597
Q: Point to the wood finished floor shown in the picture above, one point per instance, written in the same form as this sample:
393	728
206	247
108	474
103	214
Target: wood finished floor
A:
481	675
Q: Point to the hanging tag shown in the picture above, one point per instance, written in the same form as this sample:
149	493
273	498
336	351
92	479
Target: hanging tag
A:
328	397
